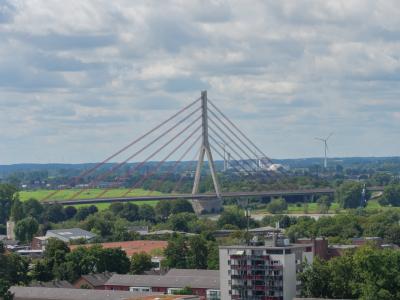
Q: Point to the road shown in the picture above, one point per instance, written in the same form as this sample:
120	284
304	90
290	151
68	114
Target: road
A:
279	193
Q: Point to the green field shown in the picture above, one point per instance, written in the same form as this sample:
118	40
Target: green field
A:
88	194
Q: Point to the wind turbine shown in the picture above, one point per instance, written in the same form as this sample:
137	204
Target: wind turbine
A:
325	141
226	156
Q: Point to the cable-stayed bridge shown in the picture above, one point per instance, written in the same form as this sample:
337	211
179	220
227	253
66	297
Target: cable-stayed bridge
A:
199	128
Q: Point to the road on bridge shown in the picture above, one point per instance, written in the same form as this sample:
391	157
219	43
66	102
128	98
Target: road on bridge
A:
279	193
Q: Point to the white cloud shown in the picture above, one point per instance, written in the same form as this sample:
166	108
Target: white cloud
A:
82	75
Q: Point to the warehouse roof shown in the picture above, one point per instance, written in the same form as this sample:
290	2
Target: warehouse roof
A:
70	234
42	293
98	279
193	272
167	281
52	284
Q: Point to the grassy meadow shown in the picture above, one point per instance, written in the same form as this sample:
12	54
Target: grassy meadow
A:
88	194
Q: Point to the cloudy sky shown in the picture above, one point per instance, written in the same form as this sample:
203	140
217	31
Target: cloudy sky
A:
79	79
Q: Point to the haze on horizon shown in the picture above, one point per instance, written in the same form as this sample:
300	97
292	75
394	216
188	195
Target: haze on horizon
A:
80	79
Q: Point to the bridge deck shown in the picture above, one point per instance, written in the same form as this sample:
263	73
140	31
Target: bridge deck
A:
301	192
325	191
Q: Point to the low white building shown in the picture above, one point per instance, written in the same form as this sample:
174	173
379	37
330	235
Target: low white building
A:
66	235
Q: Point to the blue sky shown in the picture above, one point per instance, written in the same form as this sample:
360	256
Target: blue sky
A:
79	79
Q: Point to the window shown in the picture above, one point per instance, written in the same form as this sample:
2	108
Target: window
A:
139	289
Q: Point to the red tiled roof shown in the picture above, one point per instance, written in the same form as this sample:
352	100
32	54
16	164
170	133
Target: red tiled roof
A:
131	247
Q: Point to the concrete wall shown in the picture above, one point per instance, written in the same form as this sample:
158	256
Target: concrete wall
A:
201	206
10	230
223	273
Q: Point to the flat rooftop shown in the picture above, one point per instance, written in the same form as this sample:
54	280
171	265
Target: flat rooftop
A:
263	247
44	293
165	281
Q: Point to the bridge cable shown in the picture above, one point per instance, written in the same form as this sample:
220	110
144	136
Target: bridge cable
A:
160	163
233	141
243	135
190	167
232	166
235	135
174	166
238	163
232	149
119	165
91	170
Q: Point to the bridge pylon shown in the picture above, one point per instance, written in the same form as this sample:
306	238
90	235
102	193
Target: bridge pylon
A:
201	205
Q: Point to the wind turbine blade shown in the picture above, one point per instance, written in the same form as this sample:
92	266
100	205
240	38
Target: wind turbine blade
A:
320	139
329	136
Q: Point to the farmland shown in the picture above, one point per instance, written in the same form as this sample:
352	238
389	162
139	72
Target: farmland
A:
87	194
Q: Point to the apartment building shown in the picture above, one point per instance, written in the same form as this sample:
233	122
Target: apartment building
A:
267	271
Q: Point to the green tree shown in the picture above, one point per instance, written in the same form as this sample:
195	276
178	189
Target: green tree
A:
181	221
70	212
56	249
213	256
392	234
99	223
13	271
234	217
342	276
116	207
7	192
147	213
4	292
25	229
391	195
181	205
17	210
349	194
198	253
140	262
130	212
323	204
33	208
176	253
277	206
120	230
163	210
284	220
42	270
315	279
304	228
114	260
378	275
55	213
368	273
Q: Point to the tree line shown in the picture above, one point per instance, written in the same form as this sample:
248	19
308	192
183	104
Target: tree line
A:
367	273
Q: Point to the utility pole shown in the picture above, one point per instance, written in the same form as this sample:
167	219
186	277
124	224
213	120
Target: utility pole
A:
205	150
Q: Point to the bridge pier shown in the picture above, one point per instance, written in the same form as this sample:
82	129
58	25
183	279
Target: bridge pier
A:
203	206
